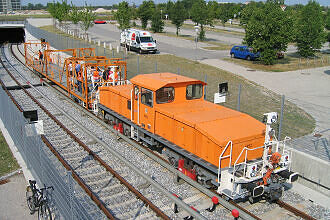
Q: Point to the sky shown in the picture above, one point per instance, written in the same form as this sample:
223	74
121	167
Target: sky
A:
111	2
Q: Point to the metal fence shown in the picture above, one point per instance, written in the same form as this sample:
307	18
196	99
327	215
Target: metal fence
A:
68	201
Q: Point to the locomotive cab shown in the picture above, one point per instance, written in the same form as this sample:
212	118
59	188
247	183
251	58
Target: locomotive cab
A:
151	92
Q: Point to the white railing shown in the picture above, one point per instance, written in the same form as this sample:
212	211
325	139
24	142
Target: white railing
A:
224	157
245	149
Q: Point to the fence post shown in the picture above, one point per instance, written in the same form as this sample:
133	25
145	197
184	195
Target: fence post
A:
239	98
41	164
156	67
70	187
205	86
281	118
138	64
178	70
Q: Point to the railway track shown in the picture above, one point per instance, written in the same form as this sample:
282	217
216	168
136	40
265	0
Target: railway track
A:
294	210
95	172
244	213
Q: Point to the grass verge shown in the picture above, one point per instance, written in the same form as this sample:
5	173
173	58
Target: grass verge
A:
22	17
217	46
289	63
8	162
255	100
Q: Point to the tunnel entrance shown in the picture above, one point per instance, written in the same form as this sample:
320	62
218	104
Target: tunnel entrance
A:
12	33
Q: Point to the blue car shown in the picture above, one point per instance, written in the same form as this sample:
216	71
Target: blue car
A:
244	52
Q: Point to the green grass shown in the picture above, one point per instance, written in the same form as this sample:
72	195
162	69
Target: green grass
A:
207	28
191	26
255	100
217	46
289	63
22	17
7	162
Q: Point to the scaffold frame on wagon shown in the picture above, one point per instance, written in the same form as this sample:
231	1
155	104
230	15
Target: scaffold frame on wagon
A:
78	71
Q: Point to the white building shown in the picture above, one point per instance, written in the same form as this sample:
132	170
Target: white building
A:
7	6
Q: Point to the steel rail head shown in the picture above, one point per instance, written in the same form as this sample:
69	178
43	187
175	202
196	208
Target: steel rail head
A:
295	211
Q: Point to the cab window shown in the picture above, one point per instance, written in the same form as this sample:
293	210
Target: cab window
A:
165	95
194	91
146	97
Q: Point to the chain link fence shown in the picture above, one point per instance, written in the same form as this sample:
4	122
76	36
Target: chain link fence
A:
68	200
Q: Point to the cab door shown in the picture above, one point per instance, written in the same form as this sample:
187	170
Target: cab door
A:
135	103
146	110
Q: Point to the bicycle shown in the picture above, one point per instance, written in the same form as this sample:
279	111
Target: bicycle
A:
37	200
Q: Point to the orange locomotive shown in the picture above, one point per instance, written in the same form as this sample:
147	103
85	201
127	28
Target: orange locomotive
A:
214	145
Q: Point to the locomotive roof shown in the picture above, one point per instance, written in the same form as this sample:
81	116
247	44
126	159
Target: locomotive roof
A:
155	81
216	122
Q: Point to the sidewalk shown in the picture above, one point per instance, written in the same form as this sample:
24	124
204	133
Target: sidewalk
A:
12	203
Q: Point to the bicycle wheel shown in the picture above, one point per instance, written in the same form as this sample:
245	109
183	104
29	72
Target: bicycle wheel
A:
44	212
29	199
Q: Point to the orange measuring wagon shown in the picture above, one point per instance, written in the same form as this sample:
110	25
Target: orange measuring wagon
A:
78	71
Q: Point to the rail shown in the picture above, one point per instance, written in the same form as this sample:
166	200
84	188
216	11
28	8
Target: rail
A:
95	156
294	210
244	214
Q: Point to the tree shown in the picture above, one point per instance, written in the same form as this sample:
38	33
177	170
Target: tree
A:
310	30
213	9
269	30
123	15
59	11
247	13
200	15
177	15
157	24
145	12
74	14
87	17
224	13
327	20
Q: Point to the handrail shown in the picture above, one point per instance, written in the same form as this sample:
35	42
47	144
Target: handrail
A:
220	157
245	149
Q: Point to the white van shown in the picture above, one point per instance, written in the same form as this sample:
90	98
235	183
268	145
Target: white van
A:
140	41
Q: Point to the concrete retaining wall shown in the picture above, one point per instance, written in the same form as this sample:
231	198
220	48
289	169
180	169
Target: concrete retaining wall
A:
313	169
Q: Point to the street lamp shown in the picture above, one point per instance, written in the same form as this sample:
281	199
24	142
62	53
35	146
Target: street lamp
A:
196	39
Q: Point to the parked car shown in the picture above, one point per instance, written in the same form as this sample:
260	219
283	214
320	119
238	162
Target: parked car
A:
100	22
244	52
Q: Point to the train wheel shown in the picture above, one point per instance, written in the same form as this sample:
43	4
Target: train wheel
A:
127	132
173	162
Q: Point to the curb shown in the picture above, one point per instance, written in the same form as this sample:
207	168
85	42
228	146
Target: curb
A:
19	171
